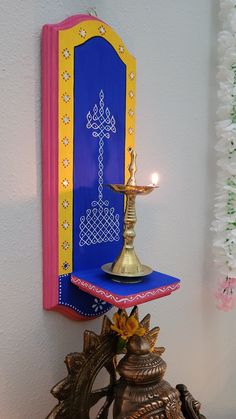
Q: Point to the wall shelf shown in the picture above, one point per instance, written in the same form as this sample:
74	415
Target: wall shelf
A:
100	285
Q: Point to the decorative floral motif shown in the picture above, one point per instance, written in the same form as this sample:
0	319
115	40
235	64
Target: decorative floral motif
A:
66	76
131	75
131	112
65	266
65	183
82	33
131	94
66	53
121	49
66	97
65	225
65	204
130	130
66	119
65	245
98	304
224	224
102	30
65	162
65	141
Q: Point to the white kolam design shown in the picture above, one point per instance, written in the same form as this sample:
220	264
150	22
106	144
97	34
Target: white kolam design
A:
100	224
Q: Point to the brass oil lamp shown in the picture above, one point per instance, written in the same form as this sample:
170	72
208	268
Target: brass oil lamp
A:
127	264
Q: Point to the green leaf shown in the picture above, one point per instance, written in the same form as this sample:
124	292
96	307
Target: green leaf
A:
120	345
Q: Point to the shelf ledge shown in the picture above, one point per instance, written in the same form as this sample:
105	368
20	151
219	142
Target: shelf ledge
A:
100	285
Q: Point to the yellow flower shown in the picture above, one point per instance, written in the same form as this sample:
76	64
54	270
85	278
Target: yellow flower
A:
126	326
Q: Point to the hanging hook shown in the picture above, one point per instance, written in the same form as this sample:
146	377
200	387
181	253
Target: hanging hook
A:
92	11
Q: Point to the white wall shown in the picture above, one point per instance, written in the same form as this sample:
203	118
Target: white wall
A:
175	44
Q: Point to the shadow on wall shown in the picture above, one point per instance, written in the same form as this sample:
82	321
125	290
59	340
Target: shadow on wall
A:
33	342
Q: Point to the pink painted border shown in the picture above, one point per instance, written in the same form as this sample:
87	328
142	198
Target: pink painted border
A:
50	162
71	314
50	165
127	301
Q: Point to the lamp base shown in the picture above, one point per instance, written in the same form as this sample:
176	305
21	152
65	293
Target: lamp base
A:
127	278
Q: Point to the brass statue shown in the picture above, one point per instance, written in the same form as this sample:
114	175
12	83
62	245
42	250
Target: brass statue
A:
140	393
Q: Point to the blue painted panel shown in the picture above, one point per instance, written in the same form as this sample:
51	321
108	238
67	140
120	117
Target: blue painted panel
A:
99	141
82	303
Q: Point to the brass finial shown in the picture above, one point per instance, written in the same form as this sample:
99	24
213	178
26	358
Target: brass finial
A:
140	364
132	167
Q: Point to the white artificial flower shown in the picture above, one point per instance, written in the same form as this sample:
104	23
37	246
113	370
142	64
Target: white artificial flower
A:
224	224
221	145
229	58
225	40
224	110
220	205
232	20
231	167
230	188
232	264
227	4
226	74
222	126
231	127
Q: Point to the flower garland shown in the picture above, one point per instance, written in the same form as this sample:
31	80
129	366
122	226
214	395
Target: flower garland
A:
224	224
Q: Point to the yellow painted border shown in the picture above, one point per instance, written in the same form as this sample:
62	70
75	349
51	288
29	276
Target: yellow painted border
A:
68	40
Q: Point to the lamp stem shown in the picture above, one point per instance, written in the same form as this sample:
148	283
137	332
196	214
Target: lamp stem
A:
130	219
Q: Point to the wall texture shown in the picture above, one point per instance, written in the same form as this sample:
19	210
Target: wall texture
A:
175	45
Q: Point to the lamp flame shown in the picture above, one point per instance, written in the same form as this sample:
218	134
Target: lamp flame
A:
155	179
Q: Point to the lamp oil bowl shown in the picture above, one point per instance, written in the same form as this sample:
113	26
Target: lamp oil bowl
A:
127	267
